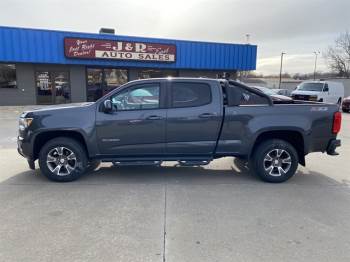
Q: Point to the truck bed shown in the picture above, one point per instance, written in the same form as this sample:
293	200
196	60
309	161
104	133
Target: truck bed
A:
242	125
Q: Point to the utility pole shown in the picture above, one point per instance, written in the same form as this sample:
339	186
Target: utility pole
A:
316	54
279	85
247	37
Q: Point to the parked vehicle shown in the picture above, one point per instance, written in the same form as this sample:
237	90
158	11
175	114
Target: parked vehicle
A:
190	120
346	104
321	91
273	94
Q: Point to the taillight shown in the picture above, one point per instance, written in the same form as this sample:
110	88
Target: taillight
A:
336	122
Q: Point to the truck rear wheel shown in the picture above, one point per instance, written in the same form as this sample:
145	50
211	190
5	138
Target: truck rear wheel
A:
275	161
62	159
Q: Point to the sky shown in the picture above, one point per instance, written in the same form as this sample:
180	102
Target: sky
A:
296	27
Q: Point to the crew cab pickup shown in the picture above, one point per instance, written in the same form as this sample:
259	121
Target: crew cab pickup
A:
189	120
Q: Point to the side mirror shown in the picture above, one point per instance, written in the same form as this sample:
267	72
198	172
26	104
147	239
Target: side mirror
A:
326	89
107	106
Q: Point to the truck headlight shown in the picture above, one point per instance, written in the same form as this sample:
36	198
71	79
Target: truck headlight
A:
25	122
313	98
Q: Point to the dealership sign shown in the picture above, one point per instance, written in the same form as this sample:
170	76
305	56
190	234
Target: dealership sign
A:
119	50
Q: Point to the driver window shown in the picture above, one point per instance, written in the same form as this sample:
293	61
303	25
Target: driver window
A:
137	98
325	89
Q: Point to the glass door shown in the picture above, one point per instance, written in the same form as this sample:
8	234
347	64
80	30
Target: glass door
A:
61	94
44	88
101	81
94	84
52	87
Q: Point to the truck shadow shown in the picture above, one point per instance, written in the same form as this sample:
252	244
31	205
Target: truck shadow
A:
236	173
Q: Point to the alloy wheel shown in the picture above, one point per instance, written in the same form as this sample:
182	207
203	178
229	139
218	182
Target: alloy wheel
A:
277	162
61	161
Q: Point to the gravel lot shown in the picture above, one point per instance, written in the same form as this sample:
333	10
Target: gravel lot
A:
217	213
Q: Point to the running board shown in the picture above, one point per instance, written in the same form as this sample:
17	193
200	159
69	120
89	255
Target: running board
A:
136	163
158	163
182	163
193	163
155	158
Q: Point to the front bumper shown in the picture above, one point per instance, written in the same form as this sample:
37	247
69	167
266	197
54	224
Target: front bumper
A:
332	145
305	98
19	146
24	149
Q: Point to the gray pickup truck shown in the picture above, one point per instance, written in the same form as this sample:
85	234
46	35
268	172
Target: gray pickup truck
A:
189	120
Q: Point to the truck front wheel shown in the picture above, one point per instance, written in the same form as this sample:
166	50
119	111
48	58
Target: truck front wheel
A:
275	161
62	159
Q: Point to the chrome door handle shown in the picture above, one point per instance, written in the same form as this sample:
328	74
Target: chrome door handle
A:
154	118
207	115
134	121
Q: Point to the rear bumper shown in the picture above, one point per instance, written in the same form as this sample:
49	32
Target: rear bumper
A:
332	145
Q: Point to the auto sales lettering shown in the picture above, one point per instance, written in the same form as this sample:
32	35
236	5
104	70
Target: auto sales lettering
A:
108	49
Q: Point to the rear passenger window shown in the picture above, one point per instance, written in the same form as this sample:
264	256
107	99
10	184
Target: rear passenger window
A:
190	94
250	98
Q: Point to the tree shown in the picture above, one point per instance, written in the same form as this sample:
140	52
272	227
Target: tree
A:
338	56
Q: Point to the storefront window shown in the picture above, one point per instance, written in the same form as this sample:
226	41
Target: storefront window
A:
153	73
101	81
115	78
8	76
52	87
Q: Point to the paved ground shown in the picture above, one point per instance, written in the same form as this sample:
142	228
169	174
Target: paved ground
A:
217	213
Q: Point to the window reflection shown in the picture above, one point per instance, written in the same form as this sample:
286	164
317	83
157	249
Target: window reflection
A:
142	97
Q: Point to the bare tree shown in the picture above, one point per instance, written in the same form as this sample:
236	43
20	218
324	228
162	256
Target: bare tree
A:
338	56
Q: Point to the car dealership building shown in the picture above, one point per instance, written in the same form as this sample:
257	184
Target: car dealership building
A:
53	67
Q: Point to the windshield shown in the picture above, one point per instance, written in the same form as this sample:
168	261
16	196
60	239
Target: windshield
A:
311	87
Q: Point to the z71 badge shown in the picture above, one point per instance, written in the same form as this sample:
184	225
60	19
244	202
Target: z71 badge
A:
319	109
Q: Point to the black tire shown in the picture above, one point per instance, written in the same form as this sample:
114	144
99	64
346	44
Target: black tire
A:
241	163
93	165
66	145
279	170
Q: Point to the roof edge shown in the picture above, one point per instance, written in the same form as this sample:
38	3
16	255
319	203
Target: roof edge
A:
105	36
